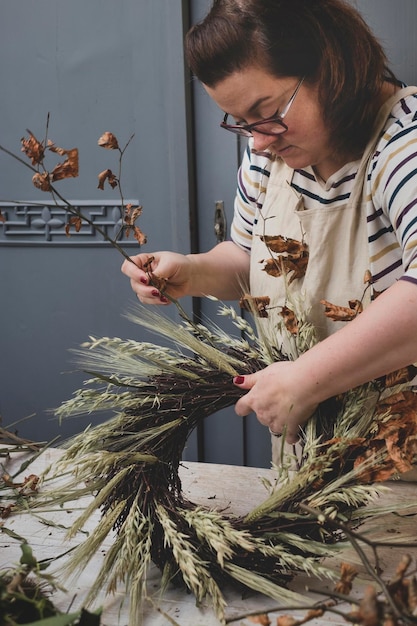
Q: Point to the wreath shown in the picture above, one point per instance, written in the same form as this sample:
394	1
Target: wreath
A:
129	465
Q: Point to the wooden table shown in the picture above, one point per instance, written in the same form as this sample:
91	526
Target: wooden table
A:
229	488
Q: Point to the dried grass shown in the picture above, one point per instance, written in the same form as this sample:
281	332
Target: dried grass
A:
130	464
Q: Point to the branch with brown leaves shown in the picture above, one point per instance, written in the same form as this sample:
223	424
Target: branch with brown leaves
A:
381	603
45	176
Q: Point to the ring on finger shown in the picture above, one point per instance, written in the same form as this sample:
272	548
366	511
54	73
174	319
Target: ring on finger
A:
274	434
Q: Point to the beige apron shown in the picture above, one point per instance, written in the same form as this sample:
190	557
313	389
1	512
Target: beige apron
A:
338	253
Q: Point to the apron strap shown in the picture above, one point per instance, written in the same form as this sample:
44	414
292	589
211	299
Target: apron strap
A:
382	116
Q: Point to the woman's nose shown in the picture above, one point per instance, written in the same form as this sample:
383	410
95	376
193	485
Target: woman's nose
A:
261	141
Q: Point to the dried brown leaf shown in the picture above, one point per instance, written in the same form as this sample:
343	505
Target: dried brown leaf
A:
158	282
109	176
108	141
67	169
280	244
33	149
396	436
369	610
287	620
132	213
56	149
290	320
412	595
147	265
42	181
403	566
29	483
296	265
341	313
139	236
313	613
286	265
399	377
73	221
262	619
367	279
273	267
347	575
257	305
6	511
292	257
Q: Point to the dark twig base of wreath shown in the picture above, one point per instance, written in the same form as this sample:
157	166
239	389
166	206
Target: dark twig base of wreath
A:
160	484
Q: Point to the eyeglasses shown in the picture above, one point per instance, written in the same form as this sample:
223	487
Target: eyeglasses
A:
270	126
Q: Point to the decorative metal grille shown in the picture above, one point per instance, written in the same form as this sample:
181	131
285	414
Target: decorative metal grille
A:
37	224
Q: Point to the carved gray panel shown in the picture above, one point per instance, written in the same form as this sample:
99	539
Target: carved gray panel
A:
37	224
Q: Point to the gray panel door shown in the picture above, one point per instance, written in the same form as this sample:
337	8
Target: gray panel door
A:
94	66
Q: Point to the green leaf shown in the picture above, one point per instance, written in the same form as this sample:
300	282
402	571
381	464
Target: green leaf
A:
12	534
27	557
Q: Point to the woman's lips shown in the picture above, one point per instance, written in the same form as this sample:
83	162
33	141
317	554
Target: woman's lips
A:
283	150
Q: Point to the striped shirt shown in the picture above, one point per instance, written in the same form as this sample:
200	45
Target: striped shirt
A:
391	196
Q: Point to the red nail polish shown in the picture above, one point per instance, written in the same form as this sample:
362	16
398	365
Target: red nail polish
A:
144	280
239	380
155	293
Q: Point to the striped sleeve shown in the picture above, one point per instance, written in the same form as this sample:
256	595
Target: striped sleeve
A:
252	181
394	193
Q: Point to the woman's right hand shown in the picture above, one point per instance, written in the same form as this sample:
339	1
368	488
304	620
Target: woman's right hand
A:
174	269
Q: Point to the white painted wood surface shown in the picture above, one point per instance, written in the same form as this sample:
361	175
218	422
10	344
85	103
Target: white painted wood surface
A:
228	488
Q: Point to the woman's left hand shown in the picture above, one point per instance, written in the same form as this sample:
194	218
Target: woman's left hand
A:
278	397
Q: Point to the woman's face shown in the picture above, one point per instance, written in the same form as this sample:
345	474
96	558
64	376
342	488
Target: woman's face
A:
253	94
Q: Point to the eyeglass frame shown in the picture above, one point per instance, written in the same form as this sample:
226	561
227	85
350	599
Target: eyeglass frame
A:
246	129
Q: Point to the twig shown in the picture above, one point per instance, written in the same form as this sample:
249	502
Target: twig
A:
159	610
73	210
18	158
354	539
7	437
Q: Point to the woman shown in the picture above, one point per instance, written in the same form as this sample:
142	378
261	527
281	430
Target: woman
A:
326	209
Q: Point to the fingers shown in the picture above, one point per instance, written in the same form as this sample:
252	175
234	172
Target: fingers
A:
280	418
134	267
243	405
148	294
245	382
290	435
287	427
140	282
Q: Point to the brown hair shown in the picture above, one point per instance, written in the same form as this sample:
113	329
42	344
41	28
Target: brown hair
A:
327	41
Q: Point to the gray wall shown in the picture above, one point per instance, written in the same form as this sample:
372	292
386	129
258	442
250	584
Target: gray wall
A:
394	23
94	66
